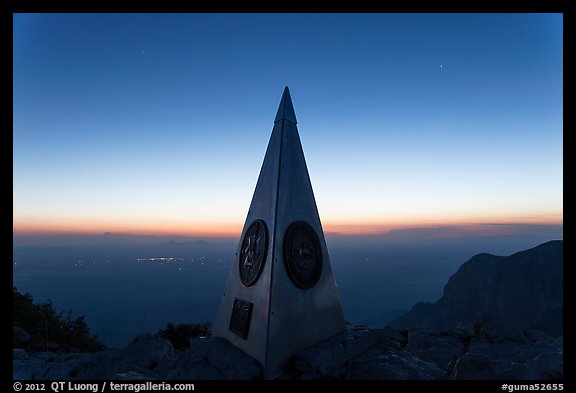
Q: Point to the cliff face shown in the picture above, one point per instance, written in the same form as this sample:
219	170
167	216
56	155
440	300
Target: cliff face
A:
525	288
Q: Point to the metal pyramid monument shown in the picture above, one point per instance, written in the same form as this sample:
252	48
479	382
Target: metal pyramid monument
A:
281	296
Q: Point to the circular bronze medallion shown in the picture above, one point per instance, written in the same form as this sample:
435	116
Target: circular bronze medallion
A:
302	254
253	252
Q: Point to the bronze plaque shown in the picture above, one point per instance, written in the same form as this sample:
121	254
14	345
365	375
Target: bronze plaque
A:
302	254
240	318
253	253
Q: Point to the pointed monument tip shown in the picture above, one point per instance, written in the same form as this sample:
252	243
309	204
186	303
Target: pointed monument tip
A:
286	109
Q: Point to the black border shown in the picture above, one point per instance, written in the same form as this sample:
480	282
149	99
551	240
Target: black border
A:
7	7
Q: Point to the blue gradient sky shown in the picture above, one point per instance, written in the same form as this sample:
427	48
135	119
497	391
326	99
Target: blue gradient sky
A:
158	123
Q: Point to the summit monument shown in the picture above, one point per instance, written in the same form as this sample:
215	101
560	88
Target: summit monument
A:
281	295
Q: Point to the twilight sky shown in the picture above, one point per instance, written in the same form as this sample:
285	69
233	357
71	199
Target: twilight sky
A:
158	123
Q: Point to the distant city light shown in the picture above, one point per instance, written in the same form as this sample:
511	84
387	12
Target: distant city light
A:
160	259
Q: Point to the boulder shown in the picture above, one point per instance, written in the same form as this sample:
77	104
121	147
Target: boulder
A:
547	365
191	366
324	358
19	353
230	361
380	362
475	366
491	328
431	346
20	337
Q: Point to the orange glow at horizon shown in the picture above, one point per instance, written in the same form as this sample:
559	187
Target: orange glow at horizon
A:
378	227
233	229
194	228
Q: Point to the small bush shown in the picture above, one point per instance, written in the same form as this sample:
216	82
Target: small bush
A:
181	334
48	328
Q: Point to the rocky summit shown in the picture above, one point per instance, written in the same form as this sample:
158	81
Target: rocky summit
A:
488	348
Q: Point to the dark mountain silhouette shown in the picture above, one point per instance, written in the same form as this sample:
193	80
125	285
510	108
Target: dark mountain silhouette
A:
524	288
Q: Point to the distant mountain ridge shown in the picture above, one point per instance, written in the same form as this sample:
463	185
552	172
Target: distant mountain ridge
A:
526	288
